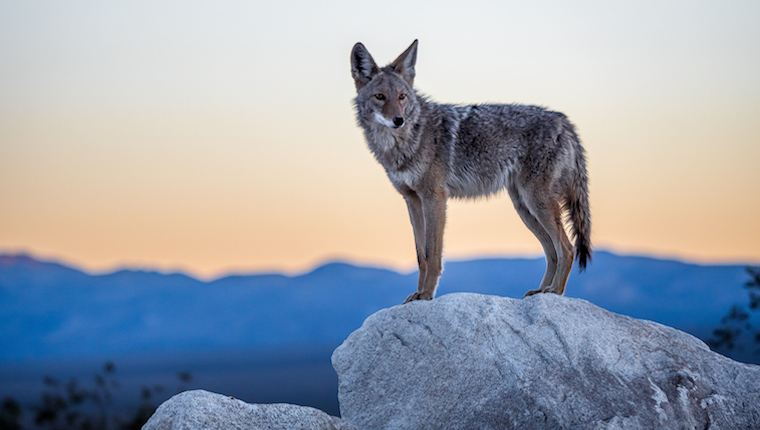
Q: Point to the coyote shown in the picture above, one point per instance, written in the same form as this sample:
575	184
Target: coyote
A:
434	151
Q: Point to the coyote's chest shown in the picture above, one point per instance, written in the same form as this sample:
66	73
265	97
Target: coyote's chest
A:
404	169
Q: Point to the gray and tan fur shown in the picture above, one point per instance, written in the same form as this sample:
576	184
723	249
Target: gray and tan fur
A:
434	151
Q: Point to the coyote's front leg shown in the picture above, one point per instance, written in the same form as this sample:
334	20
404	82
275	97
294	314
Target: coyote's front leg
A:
414	204
428	216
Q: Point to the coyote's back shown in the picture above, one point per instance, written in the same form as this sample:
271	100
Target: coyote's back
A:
433	151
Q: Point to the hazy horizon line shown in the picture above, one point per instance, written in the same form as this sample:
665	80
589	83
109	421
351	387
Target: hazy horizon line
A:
190	273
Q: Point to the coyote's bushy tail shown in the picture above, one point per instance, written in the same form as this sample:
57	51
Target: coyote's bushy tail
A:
577	202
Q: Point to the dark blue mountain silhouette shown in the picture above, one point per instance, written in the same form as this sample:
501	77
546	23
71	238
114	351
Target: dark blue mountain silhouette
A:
268	337
48	310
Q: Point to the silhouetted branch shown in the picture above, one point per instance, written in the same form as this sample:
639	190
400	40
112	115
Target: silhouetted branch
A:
737	320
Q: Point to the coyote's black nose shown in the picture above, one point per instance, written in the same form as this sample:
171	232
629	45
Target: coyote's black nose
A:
398	121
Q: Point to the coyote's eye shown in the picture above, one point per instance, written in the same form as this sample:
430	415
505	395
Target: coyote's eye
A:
380	96
401	96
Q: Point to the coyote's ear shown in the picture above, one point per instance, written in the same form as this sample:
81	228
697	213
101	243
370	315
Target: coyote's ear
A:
404	64
363	67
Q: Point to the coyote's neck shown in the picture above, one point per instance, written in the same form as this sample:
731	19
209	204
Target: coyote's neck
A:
394	149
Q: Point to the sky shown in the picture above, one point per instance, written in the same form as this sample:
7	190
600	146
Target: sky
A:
218	137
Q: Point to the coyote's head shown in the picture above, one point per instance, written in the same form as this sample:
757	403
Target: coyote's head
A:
385	96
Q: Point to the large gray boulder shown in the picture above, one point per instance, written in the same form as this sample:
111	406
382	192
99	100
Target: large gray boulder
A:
468	361
201	410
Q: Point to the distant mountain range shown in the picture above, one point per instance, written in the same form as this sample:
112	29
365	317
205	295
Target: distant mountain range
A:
51	311
267	338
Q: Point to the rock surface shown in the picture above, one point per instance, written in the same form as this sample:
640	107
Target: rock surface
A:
201	410
468	361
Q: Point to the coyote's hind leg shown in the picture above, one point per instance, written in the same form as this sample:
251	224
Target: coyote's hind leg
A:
545	208
538	230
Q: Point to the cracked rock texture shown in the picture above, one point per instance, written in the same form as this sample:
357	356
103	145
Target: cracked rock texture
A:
465	361
201	410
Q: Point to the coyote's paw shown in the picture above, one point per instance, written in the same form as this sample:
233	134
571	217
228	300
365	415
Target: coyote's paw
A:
418	296
546	290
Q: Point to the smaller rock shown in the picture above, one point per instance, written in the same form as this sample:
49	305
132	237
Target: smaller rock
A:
202	410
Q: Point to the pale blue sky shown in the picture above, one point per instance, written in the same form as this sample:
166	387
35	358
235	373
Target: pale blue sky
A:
216	136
